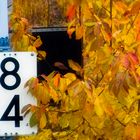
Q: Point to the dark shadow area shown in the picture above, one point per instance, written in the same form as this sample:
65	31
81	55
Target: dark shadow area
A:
59	48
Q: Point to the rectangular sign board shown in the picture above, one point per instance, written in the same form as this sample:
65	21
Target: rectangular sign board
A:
16	68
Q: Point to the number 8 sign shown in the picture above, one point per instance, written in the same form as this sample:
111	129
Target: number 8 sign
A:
16	68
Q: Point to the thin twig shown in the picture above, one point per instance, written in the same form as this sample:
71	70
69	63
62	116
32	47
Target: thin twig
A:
132	23
61	111
111	4
120	122
105	9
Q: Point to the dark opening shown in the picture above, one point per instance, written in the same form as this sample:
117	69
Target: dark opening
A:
59	48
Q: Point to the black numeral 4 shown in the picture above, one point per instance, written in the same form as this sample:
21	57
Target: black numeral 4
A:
17	118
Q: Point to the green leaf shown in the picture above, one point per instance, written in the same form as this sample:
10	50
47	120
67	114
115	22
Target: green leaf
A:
33	120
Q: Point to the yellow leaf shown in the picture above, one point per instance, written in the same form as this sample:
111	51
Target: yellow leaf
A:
43	94
75	120
98	107
25	41
65	120
32	49
129	39
43	121
127	119
138	70
89	24
99	3
41	55
63	84
79	32
54	95
75	88
53	117
87	14
71	24
70	76
75	66
37	43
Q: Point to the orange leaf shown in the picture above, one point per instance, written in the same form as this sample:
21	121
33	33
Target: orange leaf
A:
33	108
56	80
120	6
70	32
135	7
79	32
71	10
138	133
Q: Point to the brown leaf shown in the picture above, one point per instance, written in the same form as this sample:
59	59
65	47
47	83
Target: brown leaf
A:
25	108
34	83
60	65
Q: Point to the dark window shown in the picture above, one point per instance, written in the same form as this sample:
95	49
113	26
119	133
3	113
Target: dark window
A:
59	48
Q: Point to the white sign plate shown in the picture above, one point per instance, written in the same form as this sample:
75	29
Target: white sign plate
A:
16	68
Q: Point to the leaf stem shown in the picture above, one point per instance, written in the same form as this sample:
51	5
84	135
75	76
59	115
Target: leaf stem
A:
111	5
120	122
132	23
61	111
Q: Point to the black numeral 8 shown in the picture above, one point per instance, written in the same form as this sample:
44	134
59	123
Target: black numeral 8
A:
12	72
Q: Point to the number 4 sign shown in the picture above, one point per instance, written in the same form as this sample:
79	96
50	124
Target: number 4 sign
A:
16	68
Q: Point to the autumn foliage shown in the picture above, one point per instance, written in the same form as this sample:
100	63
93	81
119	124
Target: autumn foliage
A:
101	100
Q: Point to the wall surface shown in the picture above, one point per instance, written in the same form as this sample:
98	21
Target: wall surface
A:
3	18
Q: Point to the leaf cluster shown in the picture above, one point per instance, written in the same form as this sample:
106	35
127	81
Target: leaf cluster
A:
104	102
21	38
